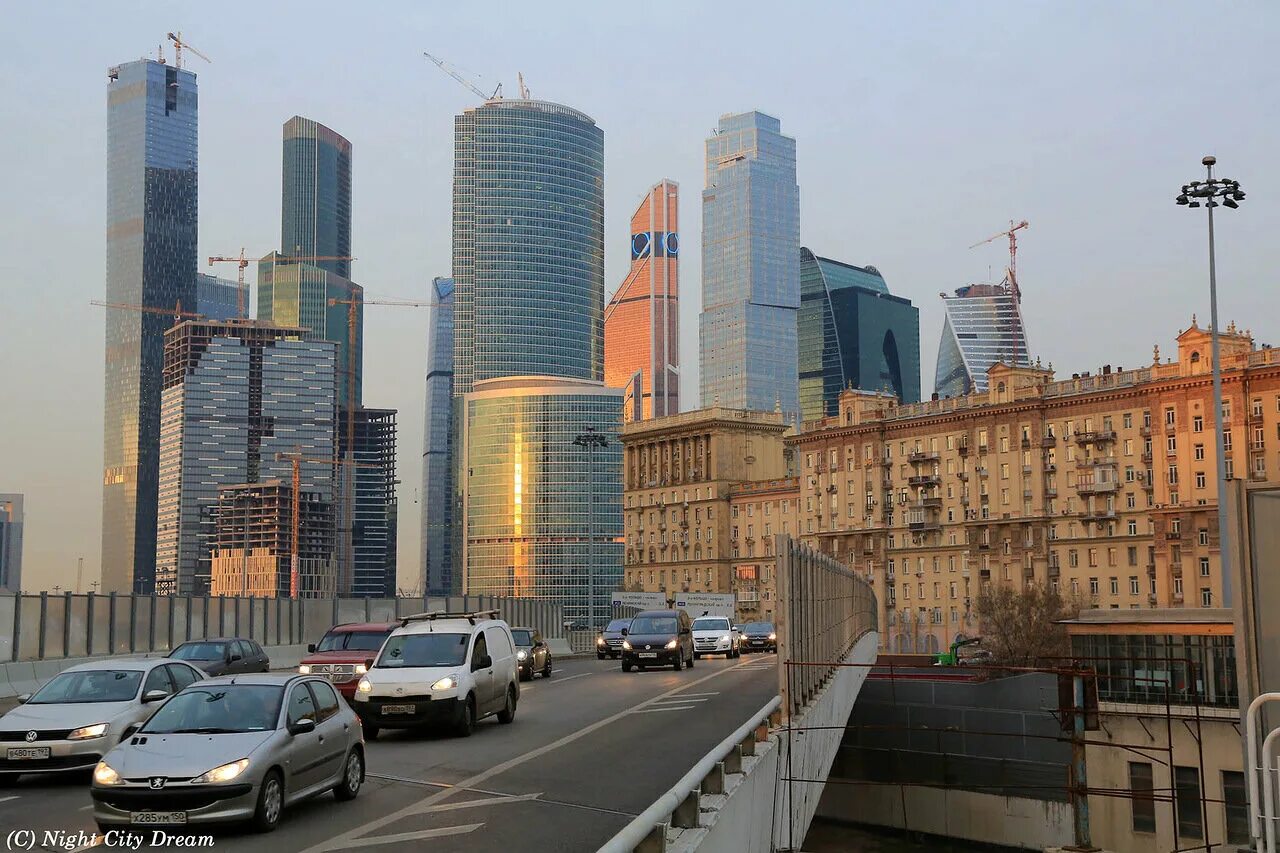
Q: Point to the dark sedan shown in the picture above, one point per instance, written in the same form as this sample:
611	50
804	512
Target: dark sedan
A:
609	642
223	655
759	637
658	638
533	655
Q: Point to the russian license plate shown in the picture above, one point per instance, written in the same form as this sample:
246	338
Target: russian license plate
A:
399	709
28	753
648	654
157	817
757	642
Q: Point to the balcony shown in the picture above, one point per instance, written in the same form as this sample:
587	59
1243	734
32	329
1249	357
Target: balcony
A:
984	574
1050	468
1096	437
1049	441
1026	469
1099	516
924	525
1145	431
982	448
963	476
1054	571
963	448
1176	569
924	480
1050	491
1094	487
1146	457
982	472
1175	535
931	503
922	456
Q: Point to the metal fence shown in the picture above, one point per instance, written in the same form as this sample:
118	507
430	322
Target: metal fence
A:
824	607
44	627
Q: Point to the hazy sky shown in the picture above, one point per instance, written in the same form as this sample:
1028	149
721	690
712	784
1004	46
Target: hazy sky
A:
921	128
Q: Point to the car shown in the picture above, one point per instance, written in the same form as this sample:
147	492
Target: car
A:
658	638
223	655
234	748
533	655
342	651
441	669
714	635
759	637
609	641
83	711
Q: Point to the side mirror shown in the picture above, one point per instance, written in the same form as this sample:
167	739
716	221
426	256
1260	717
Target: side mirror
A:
368	664
24	698
154	696
311	648
625	632
301	727
130	730
482	662
235	656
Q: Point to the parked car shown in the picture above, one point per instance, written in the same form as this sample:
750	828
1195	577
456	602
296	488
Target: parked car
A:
714	635
759	637
83	711
533	655
609	641
341	653
223	655
232	749
658	638
450	669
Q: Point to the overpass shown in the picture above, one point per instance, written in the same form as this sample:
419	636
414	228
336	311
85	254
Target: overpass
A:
597	758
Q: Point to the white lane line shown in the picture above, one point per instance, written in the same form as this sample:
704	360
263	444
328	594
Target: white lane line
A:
491	801
689	695
665	708
415	836
572	677
677	700
7	799
85	808
352	836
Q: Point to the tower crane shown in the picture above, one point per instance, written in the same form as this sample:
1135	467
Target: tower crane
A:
178	45
241	262
176	312
1013	251
448	69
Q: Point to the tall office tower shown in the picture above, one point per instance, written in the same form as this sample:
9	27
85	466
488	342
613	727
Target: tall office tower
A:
253	542
853	334
641	337
983	326
151	262
375	510
438	577
235	395
315	217
528	268
216	298
750	266
11	521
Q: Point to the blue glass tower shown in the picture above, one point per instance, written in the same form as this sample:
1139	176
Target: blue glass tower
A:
750	266
853	334
983	326
151	262
315	217
437	448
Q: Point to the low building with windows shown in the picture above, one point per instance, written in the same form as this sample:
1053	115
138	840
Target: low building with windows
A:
760	511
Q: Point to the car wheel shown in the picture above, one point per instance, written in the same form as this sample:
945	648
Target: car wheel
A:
601	656
352	777
508	713
696	655
626	667
467	722
270	802
370	731
546	668
522	675
641	667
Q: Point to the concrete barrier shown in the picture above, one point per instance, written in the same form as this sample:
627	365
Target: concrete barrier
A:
559	648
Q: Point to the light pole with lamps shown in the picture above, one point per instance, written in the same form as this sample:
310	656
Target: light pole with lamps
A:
590	439
1209	190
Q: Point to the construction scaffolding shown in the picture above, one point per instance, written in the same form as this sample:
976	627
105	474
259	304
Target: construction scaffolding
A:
252	548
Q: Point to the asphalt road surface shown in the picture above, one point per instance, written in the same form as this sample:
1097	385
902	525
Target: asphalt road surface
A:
590	748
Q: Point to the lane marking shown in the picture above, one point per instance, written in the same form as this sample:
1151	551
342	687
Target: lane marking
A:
665	708
415	835
351	836
493	801
524	690
85	808
7	799
716	693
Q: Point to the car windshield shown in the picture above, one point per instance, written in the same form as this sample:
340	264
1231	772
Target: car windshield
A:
94	685
425	650
364	641
218	709
200	651
653	625
758	628
522	638
617	625
711	624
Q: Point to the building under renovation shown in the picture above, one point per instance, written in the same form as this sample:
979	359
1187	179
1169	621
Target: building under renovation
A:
253	543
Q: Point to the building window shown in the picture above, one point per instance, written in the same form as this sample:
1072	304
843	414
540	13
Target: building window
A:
1144	804
1173	475
1204	567
1177	587
1133	585
1093	586
1115	586
1199	479
1197	424
1133	555
1236	807
1187	796
1133	527
1171	444
1169	417
1204	536
1199	452
1206	597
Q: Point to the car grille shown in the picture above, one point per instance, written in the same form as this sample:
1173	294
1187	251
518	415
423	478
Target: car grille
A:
338	673
132	799
48	734
615	642
56	762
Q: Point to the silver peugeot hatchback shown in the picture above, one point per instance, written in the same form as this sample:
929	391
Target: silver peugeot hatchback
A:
238	748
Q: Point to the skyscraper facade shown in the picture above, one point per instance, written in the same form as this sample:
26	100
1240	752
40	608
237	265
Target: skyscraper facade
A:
528	264
253	542
374	520
641	335
235	395
853	334
151	262
983	326
750	266
11	523
315	216
438	577
216	298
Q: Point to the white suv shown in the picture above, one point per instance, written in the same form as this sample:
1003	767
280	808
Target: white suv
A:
450	669
714	635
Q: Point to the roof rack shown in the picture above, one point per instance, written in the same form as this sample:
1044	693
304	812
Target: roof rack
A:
445	614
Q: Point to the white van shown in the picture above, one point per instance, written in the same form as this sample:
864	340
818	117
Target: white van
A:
450	669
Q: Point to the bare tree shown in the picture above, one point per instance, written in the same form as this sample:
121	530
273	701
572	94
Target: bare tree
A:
1020	626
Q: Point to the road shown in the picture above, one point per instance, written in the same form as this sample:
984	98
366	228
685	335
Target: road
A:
590	748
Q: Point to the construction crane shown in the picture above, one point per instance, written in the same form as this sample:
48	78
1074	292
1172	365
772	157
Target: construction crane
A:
448	69
176	312
1013	251
524	90
178	45
296	459
241	262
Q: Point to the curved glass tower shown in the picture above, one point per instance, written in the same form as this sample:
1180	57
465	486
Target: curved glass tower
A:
437	448
983	326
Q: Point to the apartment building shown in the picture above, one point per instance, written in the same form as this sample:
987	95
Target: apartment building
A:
759	511
1102	485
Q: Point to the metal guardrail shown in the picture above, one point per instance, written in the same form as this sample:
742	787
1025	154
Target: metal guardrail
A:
678	807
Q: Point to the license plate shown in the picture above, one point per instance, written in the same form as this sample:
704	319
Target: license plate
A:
757	642
28	753
399	709
648	654
157	817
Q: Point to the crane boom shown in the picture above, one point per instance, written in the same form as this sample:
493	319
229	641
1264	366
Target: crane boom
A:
178	45
241	261
1011	233
447	69
176	312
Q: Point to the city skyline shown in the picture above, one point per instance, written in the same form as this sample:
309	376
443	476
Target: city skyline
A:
1036	164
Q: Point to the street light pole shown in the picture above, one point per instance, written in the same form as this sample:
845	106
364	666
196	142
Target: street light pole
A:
590	439
1231	194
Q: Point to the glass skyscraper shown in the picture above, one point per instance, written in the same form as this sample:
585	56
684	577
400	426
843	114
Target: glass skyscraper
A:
750	266
853	334
437	497
983	326
216	298
151	261
315	217
528	269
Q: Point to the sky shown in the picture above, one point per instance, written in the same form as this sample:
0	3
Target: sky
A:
921	129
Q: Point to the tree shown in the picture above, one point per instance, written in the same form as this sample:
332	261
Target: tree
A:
1021	627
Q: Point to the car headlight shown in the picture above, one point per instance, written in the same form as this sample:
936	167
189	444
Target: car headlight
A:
86	732
449	682
104	774
673	644
225	773
626	644
599	641
726	639
773	636
521	655
304	669
361	669
363	686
